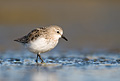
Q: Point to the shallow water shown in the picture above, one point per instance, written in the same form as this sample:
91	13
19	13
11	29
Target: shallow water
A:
60	66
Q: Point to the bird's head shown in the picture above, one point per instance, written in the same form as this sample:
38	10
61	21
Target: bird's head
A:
57	32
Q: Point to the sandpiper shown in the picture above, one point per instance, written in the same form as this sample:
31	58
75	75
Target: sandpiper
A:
42	39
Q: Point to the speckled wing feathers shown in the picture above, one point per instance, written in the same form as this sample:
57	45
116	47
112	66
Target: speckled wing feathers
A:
33	35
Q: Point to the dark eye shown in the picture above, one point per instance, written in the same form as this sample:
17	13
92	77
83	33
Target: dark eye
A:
58	32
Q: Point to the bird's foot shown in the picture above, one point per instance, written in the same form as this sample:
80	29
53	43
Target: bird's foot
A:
42	62
36	61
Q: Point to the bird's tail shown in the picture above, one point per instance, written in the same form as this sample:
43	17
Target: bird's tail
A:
22	39
17	40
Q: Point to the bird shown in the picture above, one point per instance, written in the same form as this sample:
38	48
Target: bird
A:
42	39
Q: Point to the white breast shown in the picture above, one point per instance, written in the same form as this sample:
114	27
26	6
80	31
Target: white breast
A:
41	45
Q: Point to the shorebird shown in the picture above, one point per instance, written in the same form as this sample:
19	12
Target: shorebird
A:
42	39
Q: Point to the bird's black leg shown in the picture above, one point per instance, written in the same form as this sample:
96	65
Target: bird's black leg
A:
40	58
37	59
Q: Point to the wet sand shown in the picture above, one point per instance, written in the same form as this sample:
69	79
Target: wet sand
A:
60	66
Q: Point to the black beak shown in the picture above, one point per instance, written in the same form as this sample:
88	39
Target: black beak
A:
64	38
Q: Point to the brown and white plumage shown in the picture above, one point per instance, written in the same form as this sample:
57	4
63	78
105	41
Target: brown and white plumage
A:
43	39
33	35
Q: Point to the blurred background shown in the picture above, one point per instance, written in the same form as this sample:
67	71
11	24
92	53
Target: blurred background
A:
88	24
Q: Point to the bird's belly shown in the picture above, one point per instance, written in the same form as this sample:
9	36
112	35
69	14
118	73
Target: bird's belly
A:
41	45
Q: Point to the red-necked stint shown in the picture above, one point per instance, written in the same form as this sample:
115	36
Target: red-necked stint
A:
42	39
